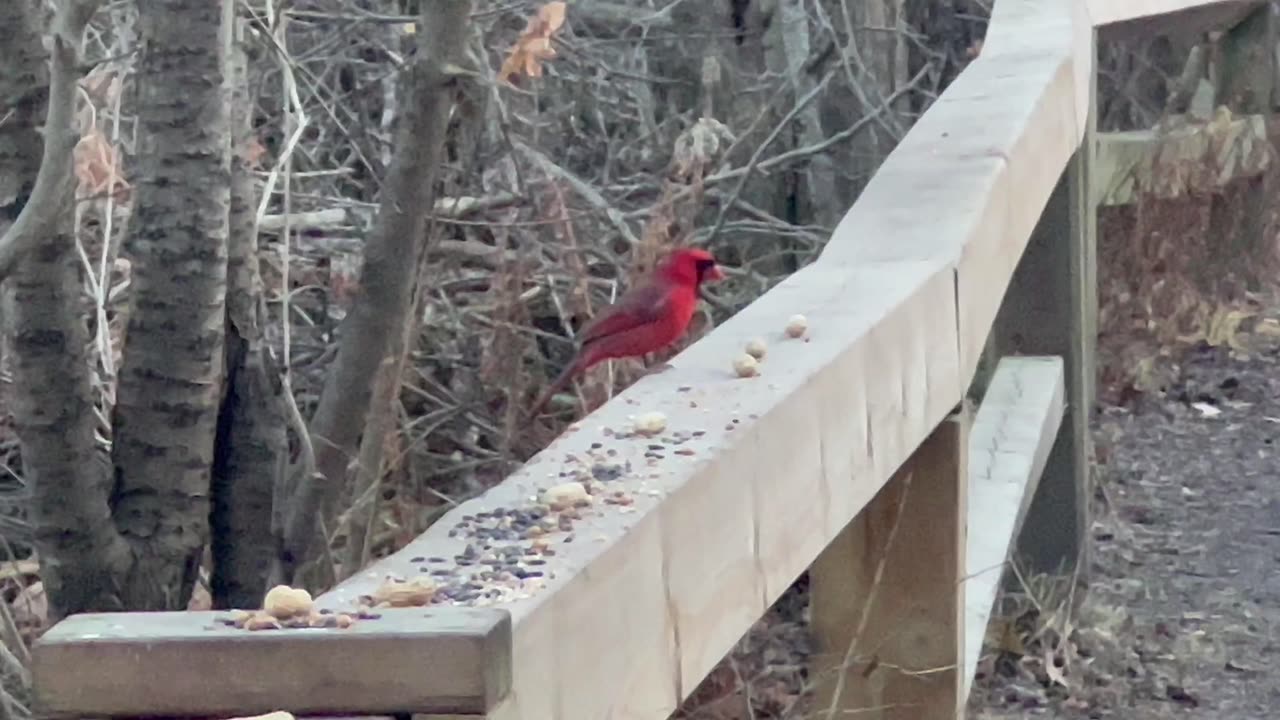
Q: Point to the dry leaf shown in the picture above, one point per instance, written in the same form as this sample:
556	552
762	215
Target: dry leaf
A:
1268	326
1224	327
1004	636
253	152
97	166
31	607
1206	410
700	147
534	44
413	593
200	597
1057	675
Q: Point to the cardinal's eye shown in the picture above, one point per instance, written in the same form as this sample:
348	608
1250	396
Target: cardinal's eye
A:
704	265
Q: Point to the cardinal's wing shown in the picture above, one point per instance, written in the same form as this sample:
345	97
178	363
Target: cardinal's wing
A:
644	305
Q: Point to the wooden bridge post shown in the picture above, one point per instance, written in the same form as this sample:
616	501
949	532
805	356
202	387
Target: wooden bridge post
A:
887	594
1051	308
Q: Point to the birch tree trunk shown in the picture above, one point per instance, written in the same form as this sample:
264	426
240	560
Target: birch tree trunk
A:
51	402
171	376
251	445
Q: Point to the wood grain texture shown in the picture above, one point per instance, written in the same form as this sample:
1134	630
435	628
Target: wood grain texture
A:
188	664
1009	443
887	595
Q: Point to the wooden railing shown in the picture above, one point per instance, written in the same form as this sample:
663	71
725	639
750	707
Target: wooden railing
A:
853	455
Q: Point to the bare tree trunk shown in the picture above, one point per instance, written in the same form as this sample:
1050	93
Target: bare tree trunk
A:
44	192
24	94
372	456
171	376
390	264
79	548
878	44
758	53
818	199
251	446
51	398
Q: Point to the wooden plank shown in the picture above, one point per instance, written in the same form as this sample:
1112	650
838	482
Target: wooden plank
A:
1184	22
1009	445
188	664
1180	158
1051	312
887	597
1109	12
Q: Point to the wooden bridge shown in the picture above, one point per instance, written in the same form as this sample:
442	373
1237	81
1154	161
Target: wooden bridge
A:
965	270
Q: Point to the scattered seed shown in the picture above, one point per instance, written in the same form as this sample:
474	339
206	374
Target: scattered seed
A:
796	326
650	423
746	366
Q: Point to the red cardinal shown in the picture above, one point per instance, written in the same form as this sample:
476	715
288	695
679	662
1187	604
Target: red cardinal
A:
647	318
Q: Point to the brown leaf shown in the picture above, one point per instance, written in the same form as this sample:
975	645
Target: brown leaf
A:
534	44
31	608
97	166
253	153
200	598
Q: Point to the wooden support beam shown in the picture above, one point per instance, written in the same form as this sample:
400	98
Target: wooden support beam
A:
1051	309
187	664
1183	19
1009	444
888	598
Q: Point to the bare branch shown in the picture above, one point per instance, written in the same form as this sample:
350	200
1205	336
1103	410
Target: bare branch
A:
583	188
390	265
54	181
450	208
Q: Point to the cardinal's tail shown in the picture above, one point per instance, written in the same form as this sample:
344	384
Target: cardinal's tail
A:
560	383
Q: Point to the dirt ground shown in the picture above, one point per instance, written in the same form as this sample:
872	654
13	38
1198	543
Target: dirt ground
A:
1183	614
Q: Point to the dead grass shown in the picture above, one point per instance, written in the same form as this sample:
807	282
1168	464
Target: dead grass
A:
1172	273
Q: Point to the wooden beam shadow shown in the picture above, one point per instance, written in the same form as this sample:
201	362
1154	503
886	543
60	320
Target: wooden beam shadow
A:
887	597
1013	432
